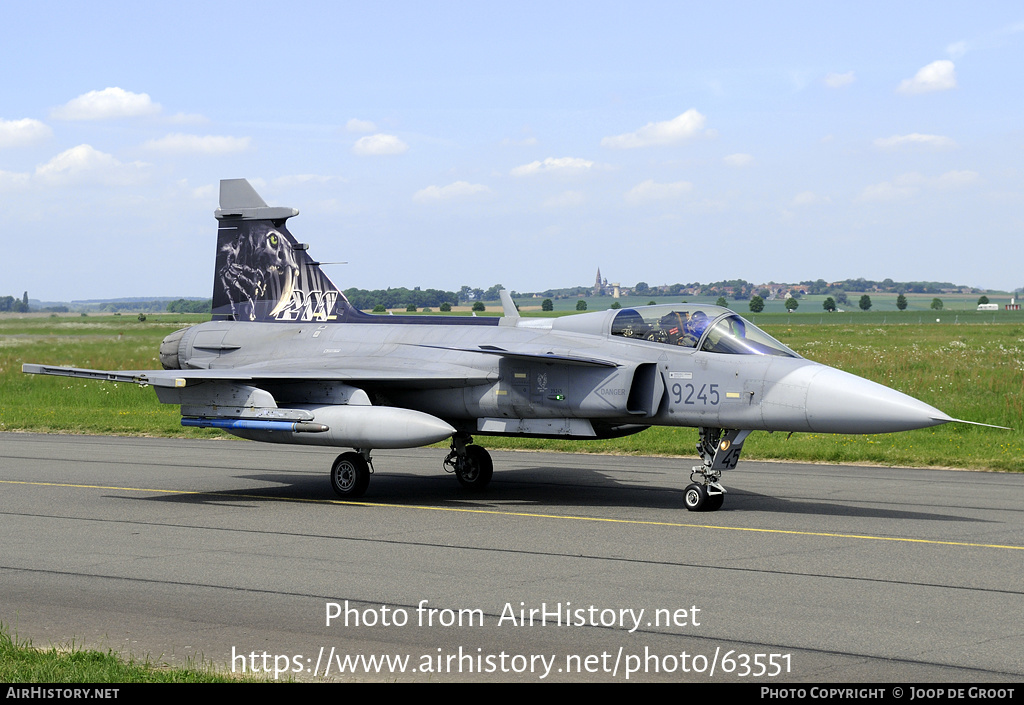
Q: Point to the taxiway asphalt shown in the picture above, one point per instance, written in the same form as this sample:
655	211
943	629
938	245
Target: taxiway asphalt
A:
226	551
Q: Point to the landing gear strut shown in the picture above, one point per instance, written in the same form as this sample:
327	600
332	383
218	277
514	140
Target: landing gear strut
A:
471	463
350	474
720	450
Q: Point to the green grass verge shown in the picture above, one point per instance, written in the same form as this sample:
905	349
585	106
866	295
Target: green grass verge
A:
971	370
20	662
67	405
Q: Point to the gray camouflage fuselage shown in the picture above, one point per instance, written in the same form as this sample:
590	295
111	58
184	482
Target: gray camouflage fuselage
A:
611	386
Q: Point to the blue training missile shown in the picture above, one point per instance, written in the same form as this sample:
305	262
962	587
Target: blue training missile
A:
357	426
256	425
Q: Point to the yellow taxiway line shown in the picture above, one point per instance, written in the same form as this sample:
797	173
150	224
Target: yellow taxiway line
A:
532	515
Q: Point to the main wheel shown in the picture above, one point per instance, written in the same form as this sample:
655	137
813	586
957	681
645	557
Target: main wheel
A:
474	473
696	497
350	475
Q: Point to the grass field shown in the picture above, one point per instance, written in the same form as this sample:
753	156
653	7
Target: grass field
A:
51	404
21	662
966	365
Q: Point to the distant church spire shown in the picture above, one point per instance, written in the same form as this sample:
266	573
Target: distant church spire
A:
597	283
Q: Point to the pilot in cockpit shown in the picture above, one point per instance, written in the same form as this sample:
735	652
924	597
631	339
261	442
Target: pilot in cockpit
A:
694	329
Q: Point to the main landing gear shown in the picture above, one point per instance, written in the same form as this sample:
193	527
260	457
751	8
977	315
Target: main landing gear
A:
350	474
720	450
471	464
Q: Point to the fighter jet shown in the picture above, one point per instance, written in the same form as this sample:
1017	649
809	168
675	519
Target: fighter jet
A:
287	359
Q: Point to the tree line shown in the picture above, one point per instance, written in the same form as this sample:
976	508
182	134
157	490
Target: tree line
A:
399	297
190	306
9	303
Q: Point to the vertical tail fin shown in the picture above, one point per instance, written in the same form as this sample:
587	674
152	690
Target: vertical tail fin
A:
263	273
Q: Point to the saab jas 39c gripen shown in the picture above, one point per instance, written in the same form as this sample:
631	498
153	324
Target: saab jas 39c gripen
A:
287	359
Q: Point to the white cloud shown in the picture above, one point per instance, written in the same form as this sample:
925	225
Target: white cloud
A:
84	157
357	125
738	159
915	139
206	193
912	183
459	189
936	76
187	119
798	79
838	80
651	191
956	179
678	129
887	191
809	198
553	164
379	144
20	133
12	180
566	199
708	205
86	164
105	105
194	144
957	49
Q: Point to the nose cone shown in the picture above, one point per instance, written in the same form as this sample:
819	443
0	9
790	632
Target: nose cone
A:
839	402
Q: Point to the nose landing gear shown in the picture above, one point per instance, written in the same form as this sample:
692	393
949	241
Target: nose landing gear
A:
720	450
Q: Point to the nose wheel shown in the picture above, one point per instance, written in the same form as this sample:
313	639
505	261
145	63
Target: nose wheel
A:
704	498
720	450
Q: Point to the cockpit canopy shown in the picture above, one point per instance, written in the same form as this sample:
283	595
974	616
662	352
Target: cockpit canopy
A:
707	328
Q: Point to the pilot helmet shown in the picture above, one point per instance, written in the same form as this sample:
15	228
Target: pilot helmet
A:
697	323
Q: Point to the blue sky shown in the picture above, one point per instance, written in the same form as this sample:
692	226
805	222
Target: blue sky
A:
441	144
